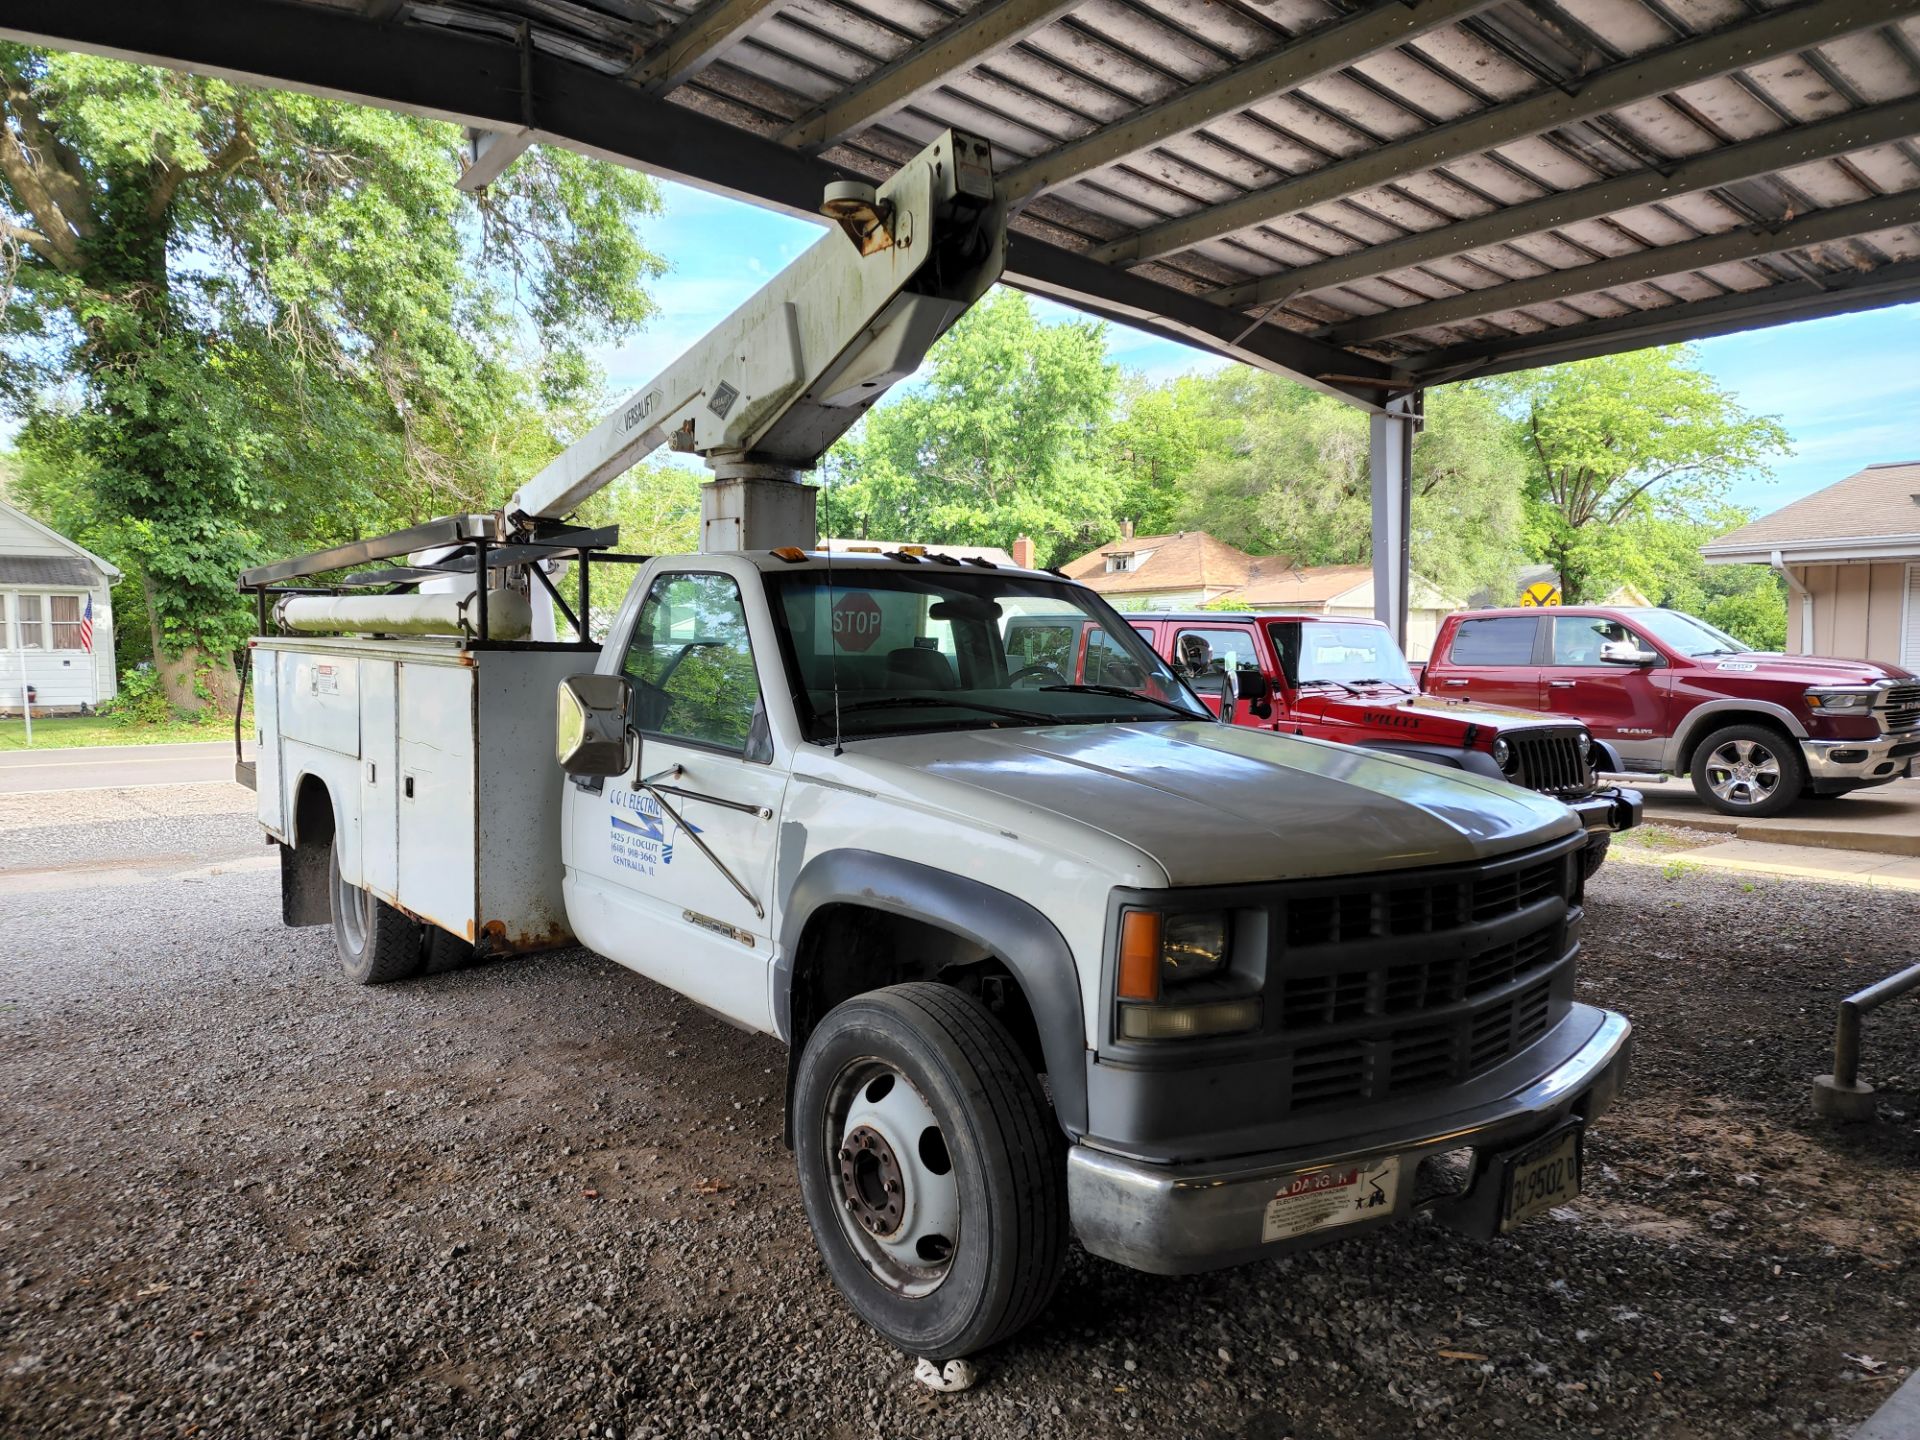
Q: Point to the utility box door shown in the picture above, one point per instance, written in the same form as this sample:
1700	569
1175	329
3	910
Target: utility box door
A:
270	796
439	824
379	780
322	701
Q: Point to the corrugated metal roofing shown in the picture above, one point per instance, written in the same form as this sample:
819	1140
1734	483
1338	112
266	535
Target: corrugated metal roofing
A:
1371	195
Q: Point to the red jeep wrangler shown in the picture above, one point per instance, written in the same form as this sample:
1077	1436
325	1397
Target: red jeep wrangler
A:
1345	679
1669	694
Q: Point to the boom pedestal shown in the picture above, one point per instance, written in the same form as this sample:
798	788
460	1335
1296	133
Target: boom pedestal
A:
756	507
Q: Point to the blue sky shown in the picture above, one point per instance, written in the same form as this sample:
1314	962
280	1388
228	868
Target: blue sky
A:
1847	388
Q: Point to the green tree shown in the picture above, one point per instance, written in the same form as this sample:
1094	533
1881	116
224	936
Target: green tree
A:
1154	443
1621	439
1287	473
1003	437
245	316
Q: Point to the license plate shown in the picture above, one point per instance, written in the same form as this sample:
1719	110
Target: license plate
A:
1330	1196
1541	1176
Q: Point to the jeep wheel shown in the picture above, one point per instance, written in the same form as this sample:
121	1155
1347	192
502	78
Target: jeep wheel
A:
377	944
1748	770
932	1170
1595	855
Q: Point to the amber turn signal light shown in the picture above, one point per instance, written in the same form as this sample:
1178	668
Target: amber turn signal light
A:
1140	935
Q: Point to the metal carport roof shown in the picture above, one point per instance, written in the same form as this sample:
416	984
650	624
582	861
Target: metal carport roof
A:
1368	196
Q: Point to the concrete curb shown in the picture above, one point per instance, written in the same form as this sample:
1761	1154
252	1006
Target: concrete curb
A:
1874	870
1898	1418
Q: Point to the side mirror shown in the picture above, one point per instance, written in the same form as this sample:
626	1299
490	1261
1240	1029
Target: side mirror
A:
1254	685
1625	652
591	725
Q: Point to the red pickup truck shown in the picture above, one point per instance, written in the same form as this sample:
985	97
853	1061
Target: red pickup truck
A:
1669	694
1345	679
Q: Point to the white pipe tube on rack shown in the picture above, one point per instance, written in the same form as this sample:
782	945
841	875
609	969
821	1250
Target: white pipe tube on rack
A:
509	616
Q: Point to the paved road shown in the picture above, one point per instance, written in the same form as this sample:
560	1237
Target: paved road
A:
1885	818
114	766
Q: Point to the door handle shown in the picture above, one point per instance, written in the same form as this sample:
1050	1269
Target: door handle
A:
1453	682
1561	684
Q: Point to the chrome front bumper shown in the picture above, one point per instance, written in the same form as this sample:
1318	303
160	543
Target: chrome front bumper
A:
1175	1219
1885	757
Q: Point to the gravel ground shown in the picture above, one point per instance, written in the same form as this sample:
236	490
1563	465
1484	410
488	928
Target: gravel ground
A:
548	1198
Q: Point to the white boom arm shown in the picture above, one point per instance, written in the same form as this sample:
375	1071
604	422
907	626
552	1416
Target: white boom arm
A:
770	388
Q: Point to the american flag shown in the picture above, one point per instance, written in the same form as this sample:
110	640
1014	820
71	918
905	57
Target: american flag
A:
86	628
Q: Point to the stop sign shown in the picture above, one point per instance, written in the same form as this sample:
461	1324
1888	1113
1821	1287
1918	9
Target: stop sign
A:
856	621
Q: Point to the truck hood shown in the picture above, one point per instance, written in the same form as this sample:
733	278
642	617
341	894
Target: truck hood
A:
1213	804
1804	669
1427	716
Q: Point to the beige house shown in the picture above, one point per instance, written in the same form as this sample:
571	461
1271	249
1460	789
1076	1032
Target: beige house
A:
1851	558
1190	570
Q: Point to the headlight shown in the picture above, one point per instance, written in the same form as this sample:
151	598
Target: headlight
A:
1851	701
1193	947
1586	745
1502	754
1160	955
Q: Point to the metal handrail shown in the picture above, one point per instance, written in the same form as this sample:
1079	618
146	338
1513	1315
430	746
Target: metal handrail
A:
1840	1095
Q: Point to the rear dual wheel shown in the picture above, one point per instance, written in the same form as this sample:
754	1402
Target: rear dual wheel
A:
932	1169
377	943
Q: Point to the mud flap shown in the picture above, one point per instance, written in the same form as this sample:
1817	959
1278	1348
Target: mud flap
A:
303	886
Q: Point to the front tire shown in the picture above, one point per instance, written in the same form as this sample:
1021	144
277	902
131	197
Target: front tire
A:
1748	770
932	1169
376	943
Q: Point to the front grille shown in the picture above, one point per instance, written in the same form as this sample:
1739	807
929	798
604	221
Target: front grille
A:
1367	1019
1410	1058
1420	906
1549	762
1900	709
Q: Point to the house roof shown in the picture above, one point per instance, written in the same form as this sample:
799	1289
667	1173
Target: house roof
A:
1277	581
112	572
1194	560
1185	560
1876	510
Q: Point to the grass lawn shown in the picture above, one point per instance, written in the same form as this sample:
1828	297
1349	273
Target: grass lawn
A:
52	732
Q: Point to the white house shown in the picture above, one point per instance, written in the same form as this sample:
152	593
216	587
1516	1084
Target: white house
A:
45	583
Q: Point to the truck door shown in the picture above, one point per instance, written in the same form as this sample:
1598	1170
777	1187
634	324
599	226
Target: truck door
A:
640	890
1492	660
1235	645
1625	705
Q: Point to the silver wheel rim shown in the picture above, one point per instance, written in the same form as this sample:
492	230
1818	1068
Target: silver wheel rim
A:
1743	772
354	907
891	1176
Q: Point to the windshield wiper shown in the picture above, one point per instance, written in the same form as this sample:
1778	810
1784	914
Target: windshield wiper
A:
886	702
1329	680
1123	693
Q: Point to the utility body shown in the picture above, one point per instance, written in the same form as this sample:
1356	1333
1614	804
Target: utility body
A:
1051	956
1667	693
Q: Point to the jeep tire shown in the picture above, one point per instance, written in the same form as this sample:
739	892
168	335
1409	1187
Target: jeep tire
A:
932	1169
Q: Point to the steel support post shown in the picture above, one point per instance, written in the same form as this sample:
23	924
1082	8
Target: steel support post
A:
1390	466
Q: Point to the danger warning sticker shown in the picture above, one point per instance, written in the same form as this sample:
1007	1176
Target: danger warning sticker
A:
1337	1195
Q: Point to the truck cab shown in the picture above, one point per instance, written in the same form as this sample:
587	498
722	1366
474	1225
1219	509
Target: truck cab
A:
1667	693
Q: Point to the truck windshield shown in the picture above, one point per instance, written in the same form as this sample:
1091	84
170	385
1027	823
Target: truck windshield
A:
1339	653
939	649
1680	631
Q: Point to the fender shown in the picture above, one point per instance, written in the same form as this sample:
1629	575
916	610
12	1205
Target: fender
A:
1474	762
1606	759
1023	939
1710	716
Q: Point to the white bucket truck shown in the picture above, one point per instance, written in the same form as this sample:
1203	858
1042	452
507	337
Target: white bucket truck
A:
1053	953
